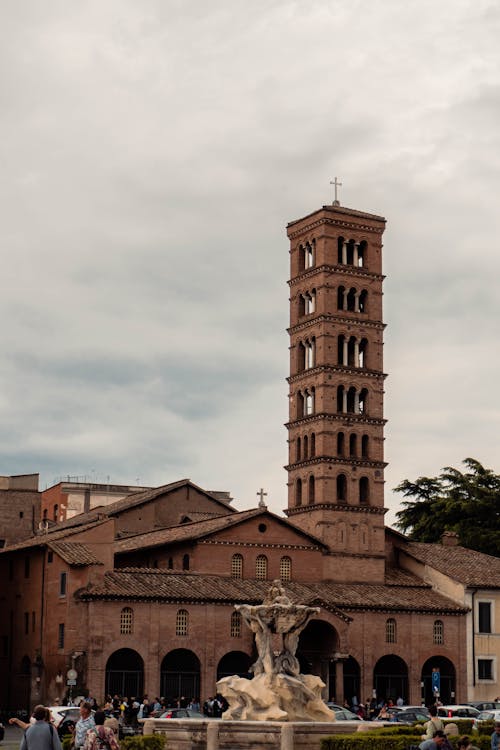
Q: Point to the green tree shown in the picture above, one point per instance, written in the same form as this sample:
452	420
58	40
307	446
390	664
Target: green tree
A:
467	503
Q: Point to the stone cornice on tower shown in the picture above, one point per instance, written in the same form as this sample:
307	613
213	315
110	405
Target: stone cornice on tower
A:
337	269
333	369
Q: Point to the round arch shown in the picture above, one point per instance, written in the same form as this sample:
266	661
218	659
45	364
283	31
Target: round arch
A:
447	679
390	678
180	675
318	643
234	663
352	680
125	673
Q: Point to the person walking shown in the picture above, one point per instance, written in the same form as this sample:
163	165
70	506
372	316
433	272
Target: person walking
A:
495	737
41	735
84	723
100	737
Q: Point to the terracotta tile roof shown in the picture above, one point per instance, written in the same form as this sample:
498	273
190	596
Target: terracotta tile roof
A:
47	537
75	553
157	585
138	498
464	565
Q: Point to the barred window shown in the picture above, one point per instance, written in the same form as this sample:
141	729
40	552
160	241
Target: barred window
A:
438	632
261	568
390	630
126	621
286	569
182	622
237	566
235	625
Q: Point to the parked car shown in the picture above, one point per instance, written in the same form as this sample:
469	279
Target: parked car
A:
410	716
63	713
485	705
485	716
343	714
182	713
457	712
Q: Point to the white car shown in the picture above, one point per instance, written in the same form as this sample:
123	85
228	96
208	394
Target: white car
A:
448	713
493	715
62	713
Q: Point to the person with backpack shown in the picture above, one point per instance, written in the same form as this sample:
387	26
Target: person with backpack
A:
100	737
41	735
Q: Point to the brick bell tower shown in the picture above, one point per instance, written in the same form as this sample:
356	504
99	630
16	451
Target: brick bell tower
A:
336	422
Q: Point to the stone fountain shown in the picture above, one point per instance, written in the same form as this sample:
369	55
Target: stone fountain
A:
277	692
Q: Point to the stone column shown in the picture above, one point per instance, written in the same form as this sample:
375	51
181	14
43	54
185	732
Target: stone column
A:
344	401
355	254
356	402
356	353
344	252
345	355
356	301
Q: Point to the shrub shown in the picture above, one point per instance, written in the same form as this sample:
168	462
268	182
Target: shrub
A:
146	742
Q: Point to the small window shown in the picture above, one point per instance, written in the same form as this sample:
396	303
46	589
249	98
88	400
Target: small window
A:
21	514
261	568
286	569
237	566
126	621
235	625
26	623
60	636
62	584
185	562
485	669
390	631
50	556
182	622
484	612
438	633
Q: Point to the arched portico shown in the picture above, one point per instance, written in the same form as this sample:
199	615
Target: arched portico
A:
390	678
180	675
318	644
447	680
125	673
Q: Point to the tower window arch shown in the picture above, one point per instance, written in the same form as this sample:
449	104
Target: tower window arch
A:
182	622
309	259
235	627
364	489
311	492
286	568
362	253
301	357
261	568
309	402
363	402
306	446
353	445
126	621
302	305
438	632
341	298
237	566
310	353
362	301
364	446
340	444
298	451
301	404
312	445
362	353
390	631
298	492
341	488
310	302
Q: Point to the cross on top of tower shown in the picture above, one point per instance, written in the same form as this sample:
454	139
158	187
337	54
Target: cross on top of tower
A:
262	495
336	185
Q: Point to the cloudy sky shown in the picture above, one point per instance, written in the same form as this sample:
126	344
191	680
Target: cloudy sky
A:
152	154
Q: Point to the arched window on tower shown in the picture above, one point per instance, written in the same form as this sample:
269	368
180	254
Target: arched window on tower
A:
438	633
351	300
390	631
237	566
351	352
341	400
261	568
340	246
309	402
362	301
341	488
306	446
235	628
350	253
310	302
353	445
364	491
364	446
310	498
363	348
341	359
341	298
312	445
298	492
286	569
351	400
126	621
302	257
182	622
363	402
301	407
298	451
309	254
362	248
301	357
340	444
310	353
301	306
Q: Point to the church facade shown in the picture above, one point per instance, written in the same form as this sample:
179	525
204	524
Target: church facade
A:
138	596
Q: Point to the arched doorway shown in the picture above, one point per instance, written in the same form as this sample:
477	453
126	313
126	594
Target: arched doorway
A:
352	680
234	662
180	675
447	680
125	673
318	643
390	678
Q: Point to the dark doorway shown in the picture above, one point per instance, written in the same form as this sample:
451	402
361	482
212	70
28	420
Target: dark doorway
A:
390	678
125	673
318	643
447	680
180	675
352	680
234	662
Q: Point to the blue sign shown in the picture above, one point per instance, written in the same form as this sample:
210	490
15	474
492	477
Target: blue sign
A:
436	681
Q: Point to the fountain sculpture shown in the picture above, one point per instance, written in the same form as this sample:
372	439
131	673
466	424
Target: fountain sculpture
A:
277	692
